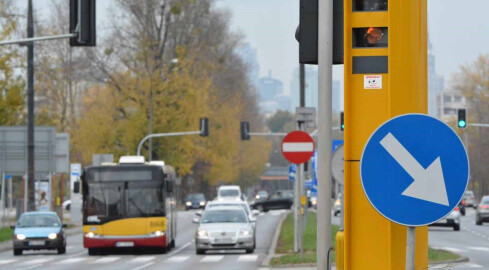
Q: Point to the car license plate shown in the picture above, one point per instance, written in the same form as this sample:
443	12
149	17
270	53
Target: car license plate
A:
224	240
124	244
36	243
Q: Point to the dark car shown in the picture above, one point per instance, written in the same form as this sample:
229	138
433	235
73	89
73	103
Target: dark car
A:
195	201
39	230
281	199
461	206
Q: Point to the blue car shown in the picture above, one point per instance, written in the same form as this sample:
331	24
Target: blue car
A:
39	230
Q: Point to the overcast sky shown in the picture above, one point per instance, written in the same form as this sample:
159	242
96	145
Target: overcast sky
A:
458	29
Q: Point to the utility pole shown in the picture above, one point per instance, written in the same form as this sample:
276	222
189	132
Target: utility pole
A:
325	73
31	206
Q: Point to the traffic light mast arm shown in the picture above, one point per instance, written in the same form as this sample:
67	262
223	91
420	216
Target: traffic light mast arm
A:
31	40
157	135
477	125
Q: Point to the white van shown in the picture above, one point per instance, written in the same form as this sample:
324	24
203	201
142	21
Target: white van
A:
226	193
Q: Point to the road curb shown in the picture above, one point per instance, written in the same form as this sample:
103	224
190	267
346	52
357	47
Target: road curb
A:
271	250
459	260
8	245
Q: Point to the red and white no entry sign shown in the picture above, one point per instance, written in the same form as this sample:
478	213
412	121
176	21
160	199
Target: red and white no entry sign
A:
298	147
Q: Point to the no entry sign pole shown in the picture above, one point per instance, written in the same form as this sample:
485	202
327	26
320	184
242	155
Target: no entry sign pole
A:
298	147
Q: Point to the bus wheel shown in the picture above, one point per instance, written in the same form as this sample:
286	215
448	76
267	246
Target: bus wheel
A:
172	244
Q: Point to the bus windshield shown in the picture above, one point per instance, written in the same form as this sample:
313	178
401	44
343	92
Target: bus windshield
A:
109	199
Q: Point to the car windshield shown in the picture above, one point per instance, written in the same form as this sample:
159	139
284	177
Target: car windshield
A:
224	216
38	220
485	201
469	193
228	193
263	194
195	197
243	205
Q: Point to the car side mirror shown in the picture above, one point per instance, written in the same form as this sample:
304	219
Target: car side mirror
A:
198	213
195	220
76	187
255	212
65	225
12	227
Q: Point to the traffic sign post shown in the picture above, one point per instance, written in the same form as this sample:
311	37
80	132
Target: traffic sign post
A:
414	172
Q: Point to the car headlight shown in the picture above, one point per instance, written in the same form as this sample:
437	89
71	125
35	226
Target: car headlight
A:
314	202
202	233
92	235
189	203
244	232
202	203
257	197
52	236
337	202
20	236
156	234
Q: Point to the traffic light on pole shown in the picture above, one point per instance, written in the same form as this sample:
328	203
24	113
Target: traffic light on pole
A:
342	121
462	118
245	130
204	126
307	32
82	22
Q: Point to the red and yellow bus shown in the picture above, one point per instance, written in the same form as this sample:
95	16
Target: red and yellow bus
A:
129	205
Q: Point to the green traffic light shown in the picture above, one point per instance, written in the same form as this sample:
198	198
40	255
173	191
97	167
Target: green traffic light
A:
461	123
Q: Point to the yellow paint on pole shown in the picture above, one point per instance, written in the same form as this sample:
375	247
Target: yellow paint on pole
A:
303	200
400	34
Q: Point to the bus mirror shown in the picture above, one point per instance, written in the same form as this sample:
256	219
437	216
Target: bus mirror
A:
76	187
169	186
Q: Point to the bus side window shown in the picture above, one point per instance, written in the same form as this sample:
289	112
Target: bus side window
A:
169	186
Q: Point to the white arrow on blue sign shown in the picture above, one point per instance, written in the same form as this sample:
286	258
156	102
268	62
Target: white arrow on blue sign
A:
292	170
414	169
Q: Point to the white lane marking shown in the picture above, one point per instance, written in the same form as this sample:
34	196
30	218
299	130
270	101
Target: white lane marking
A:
479	248
177	259
181	248
30	267
143	266
107	260
247	258
471	265
452	249
212	258
298	147
6	261
38	261
144	259
72	260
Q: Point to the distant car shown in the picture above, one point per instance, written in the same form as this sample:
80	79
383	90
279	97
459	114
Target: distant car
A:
195	201
281	199
337	207
469	198
230	192
67	205
259	196
482	211
461	206
37	231
314	202
224	227
451	220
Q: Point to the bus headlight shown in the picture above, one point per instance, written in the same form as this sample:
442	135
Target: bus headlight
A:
92	235
188	203
20	236
156	234
52	236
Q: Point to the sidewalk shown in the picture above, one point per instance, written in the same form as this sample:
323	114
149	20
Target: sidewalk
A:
8	245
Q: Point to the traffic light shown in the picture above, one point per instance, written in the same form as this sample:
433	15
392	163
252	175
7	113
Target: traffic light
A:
462	118
204	126
342	121
82	22
307	32
245	130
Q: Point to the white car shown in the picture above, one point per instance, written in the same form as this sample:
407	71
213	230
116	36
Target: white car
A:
67	205
229	193
224	227
451	220
250	213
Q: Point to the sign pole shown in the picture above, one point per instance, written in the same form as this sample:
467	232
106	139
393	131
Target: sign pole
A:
410	247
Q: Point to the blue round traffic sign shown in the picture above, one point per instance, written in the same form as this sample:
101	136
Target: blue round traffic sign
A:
414	169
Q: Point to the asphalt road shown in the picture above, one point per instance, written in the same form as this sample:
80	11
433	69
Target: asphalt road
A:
181	257
471	241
